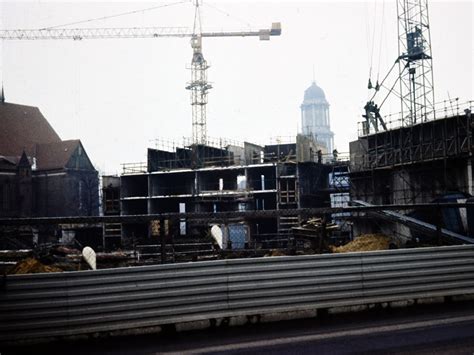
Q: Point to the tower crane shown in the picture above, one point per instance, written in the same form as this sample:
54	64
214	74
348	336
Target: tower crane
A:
415	61
198	86
415	68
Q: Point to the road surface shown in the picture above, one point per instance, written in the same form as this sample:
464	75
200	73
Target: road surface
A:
424	329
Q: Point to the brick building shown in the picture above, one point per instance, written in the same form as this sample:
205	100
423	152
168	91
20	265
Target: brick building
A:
40	174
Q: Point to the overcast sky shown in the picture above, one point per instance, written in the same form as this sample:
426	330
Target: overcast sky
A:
118	95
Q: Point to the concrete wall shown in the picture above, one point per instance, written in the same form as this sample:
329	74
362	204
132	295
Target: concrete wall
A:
253	153
418	183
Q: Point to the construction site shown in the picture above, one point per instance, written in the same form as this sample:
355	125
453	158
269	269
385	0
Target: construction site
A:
408	178
365	237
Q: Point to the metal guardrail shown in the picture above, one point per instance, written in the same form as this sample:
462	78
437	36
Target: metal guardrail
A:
134	168
442	109
85	302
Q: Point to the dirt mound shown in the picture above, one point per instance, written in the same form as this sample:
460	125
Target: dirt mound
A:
32	266
275	252
364	242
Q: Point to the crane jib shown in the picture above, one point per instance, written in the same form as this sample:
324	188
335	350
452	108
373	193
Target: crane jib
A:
132	32
198	86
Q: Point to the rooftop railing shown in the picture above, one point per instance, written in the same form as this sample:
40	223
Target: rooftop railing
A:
442	109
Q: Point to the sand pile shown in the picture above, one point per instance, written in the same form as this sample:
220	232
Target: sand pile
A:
275	252
364	242
32	266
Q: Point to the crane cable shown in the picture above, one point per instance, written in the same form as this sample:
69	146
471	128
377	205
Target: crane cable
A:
367	42
117	15
227	14
382	23
373	40
383	81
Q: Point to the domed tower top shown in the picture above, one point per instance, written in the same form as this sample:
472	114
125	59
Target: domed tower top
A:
314	93
315	120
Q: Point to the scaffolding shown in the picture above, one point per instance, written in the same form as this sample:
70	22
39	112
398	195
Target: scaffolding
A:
415	163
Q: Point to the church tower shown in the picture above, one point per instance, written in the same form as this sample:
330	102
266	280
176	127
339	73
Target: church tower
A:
315	117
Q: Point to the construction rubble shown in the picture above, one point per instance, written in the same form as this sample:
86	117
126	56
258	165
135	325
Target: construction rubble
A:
32	266
364	242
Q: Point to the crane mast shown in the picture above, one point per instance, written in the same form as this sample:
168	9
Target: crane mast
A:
415	69
198	86
415	61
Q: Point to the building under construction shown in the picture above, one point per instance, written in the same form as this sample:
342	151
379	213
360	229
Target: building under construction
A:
416	163
225	176
424	154
208	179
428	162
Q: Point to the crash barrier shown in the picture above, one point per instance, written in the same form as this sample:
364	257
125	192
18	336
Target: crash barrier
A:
85	302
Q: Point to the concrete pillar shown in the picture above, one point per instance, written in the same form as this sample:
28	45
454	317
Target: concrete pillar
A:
197	187
470	183
303	123
150	193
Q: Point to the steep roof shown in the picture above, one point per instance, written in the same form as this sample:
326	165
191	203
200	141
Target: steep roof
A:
21	128
56	155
